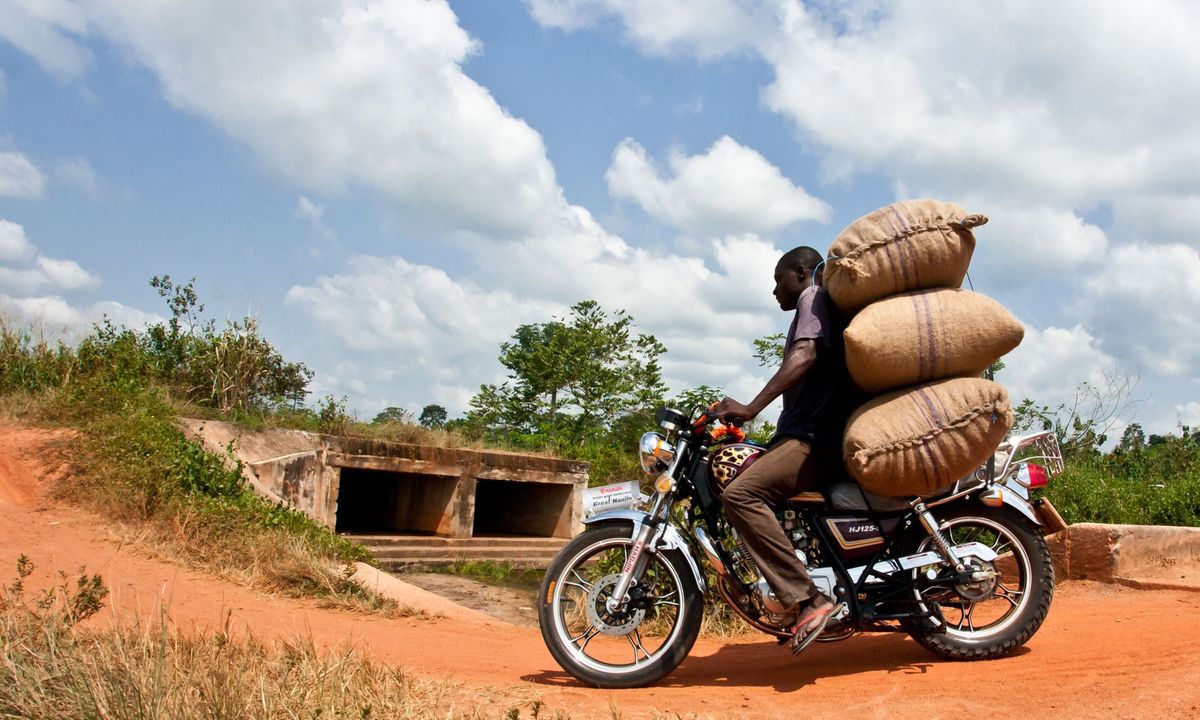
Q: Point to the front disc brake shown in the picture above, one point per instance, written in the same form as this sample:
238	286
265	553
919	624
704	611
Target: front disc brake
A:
607	622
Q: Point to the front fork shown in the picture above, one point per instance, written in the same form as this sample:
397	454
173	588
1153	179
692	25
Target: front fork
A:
638	558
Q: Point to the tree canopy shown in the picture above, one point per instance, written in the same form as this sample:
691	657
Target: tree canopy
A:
572	378
433	416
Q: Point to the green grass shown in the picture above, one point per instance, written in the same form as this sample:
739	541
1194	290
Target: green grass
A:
492	572
132	464
128	462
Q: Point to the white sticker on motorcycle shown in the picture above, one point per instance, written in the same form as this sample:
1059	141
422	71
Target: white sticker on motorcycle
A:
610	497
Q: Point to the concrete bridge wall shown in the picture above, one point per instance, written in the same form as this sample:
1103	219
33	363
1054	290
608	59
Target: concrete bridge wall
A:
382	485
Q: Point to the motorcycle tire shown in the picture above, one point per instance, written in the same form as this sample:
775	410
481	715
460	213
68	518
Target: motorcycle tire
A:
577	578
1026	559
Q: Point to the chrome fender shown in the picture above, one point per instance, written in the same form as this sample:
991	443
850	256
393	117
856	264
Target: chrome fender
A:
667	537
1017	498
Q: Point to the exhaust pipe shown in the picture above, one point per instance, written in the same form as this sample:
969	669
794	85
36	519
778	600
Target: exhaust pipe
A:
706	544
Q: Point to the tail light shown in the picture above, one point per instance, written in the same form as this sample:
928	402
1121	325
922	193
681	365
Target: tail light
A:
1033	476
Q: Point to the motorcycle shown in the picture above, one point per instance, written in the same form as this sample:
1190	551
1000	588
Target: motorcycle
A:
966	572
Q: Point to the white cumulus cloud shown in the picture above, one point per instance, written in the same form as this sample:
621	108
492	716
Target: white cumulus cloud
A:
706	28
31	285
420	322
65	274
1028	105
23	269
19	177
48	30
345	93
1051	362
1144	303
54	318
728	189
14	244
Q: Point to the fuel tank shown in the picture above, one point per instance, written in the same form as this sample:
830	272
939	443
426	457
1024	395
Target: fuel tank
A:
726	464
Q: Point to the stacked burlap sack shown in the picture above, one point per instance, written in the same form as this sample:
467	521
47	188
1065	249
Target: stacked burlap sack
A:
917	345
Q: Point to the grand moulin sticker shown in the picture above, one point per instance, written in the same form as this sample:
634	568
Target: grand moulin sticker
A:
610	497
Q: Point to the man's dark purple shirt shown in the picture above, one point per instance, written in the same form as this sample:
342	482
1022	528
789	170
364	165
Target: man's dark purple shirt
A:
816	408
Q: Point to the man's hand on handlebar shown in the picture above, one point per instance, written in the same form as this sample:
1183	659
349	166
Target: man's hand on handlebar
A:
733	411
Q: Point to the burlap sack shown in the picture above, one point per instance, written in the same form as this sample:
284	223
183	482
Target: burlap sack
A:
921	440
927	335
909	245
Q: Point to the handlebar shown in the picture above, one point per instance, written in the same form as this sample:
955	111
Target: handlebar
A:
726	426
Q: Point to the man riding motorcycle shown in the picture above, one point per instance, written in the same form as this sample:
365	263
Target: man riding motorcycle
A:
804	453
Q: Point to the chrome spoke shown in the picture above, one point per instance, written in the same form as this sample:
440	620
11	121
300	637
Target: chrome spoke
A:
586	637
1009	595
670	599
635	640
585	584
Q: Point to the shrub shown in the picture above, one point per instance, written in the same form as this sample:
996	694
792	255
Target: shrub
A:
1156	484
132	463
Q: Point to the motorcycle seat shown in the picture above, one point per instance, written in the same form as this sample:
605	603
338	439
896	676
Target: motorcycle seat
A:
847	495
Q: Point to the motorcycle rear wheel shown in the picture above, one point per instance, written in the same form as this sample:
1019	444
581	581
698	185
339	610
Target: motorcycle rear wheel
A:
989	619
632	649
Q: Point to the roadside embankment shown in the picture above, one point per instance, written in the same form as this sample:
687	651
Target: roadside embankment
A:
1146	556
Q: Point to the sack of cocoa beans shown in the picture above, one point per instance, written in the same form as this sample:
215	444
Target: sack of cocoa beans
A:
927	335
921	440
908	245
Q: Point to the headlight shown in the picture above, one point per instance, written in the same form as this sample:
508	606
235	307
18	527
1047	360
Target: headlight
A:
655	453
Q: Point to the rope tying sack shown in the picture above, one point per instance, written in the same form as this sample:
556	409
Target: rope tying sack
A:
865	455
909	245
913	441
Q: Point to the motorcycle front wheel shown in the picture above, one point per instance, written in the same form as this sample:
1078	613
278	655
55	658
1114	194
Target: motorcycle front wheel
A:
994	616
635	647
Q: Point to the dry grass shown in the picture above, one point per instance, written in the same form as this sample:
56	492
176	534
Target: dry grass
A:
278	564
721	622
56	665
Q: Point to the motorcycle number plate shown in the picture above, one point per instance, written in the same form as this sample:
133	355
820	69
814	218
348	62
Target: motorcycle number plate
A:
617	496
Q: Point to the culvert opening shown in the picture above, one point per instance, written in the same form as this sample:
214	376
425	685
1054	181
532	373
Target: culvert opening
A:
377	501
505	508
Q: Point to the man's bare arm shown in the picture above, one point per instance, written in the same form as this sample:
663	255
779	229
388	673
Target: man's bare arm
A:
795	366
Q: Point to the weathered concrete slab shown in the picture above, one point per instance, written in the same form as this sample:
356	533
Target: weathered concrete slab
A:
413	597
1151	556
416	487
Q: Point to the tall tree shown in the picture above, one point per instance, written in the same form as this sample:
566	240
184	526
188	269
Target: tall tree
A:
392	414
433	416
570	378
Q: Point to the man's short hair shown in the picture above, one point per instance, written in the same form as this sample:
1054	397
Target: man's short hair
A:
803	256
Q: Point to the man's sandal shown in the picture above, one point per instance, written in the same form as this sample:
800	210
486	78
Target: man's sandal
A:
810	625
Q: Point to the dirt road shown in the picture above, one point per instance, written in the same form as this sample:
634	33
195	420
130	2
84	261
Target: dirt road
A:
1104	651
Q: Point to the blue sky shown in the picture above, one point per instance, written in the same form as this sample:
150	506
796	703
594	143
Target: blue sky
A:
392	187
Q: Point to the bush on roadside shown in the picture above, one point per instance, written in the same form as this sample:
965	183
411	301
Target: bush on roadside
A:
1141	484
120	388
